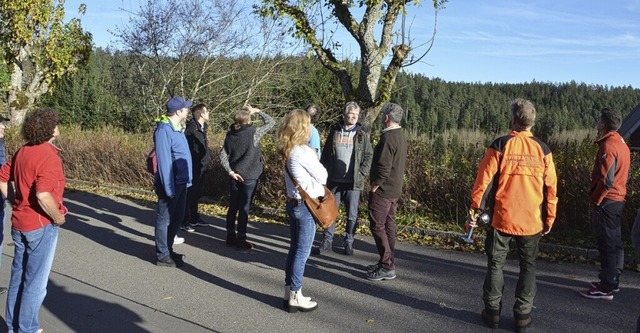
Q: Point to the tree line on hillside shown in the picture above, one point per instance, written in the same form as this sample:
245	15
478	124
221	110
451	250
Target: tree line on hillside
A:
104	93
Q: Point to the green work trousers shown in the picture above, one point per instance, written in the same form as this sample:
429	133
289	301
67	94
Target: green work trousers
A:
497	246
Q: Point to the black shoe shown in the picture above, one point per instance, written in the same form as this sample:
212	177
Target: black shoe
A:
242	244
381	274
232	240
323	247
3	290
490	318
178	258
166	262
522	322
348	249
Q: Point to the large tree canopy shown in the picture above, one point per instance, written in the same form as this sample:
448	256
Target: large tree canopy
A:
37	48
311	23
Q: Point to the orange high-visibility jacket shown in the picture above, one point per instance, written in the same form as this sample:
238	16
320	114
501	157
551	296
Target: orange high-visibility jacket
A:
610	170
516	181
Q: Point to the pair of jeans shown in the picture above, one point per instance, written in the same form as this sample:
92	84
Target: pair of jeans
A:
303	229
240	205
351	198
193	196
169	217
32	260
497	247
382	222
606	220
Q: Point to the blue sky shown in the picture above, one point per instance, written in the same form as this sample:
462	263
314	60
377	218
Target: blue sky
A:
512	41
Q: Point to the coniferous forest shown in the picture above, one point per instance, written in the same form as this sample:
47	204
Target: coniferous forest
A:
449	124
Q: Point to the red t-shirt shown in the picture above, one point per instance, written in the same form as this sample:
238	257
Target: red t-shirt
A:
34	169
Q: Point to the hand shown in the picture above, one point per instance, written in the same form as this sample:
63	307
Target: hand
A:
251	109
472	219
59	222
236	177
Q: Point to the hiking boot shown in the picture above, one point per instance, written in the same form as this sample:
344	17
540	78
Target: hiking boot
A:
187	228
491	318
348	249
166	262
373	267
523	321
381	274
597	293
232	240
323	247
596	284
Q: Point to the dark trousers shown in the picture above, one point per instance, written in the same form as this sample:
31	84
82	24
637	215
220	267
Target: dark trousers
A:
193	197
169	216
606	220
497	248
382	222
239	205
351	198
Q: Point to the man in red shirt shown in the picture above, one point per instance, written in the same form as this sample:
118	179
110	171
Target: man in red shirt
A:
36	170
607	192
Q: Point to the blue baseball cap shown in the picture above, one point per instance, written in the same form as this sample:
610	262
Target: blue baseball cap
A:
176	103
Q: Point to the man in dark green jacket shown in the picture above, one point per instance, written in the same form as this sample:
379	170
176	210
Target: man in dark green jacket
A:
347	157
387	173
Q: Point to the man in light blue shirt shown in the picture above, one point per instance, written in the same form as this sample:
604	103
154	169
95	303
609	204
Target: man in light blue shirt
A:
314	142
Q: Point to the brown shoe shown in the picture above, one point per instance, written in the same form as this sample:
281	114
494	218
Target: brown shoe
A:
522	322
490	318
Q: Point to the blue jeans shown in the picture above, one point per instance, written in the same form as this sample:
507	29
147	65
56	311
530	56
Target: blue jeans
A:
170	214
32	260
351	201
239	205
606	220
303	229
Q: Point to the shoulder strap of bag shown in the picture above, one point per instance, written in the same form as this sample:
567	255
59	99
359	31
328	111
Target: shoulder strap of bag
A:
302	192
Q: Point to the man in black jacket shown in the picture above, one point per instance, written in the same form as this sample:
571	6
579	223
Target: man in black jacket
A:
201	157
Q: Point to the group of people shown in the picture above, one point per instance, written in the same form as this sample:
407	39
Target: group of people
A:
516	187
183	156
346	160
344	163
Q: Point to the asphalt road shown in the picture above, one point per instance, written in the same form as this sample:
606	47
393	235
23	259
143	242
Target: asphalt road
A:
104	280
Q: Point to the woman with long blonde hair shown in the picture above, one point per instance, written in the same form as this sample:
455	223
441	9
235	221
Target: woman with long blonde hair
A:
300	163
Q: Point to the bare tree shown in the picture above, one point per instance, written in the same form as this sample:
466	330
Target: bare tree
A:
194	48
316	23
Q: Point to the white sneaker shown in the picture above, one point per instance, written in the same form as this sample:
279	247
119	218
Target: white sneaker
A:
178	240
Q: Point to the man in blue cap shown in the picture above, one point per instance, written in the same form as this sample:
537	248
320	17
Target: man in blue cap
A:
172	179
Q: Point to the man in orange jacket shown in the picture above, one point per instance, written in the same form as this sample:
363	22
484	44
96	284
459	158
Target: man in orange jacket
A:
516	186
607	192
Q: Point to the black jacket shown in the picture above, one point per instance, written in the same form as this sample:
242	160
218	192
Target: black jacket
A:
201	155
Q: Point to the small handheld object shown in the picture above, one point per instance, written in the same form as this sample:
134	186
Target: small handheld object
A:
484	218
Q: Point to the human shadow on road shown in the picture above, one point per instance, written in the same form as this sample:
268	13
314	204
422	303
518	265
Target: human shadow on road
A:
82	313
104	235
